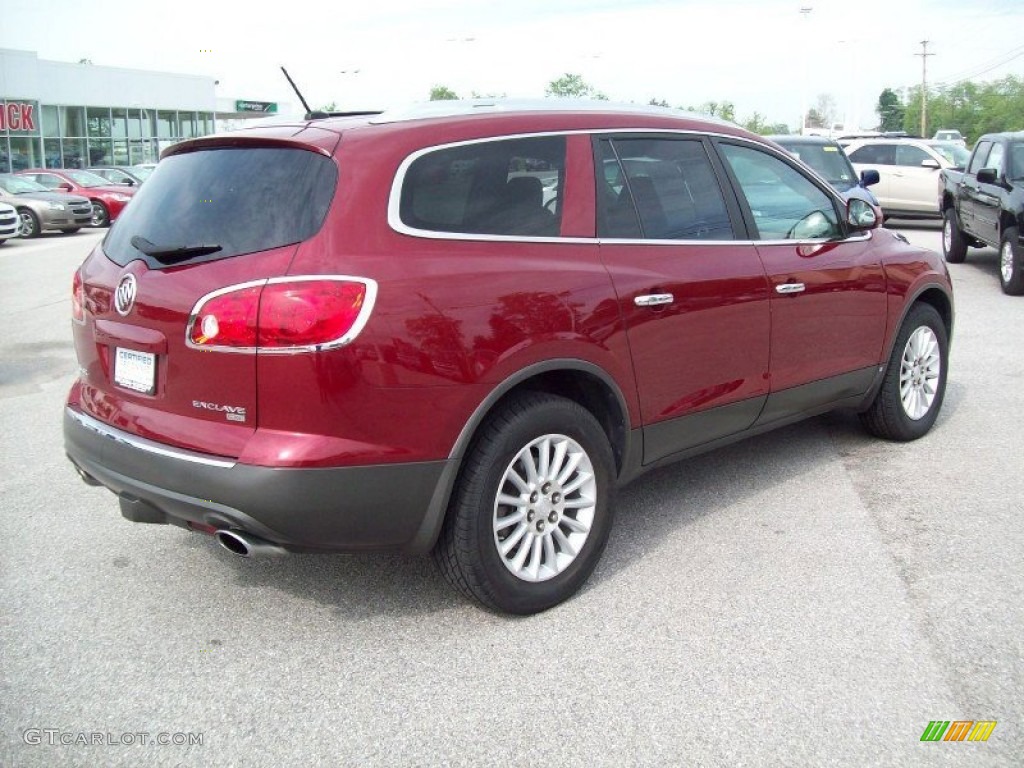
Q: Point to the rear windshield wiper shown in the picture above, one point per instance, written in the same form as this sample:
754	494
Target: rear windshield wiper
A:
169	254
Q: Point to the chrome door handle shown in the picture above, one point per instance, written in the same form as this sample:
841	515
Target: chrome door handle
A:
788	288
654	299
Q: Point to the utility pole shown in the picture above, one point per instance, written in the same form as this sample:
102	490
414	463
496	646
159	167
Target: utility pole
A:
805	12
924	86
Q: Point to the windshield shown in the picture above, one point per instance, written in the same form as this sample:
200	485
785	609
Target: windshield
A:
239	200
954	153
86	179
828	161
18	185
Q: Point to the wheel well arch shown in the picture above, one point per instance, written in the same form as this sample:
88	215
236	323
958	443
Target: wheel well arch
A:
942	304
576	380
1006	220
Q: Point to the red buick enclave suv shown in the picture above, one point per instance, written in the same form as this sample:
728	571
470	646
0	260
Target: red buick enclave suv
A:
459	332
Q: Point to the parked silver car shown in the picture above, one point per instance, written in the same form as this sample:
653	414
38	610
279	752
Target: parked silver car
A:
41	209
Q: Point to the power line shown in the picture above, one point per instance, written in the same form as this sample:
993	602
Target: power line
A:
1000	61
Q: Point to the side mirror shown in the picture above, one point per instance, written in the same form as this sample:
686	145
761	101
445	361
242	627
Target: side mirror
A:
860	215
987	176
867	178
929	163
65	186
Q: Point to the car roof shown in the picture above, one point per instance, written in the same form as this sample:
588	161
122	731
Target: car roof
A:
452	121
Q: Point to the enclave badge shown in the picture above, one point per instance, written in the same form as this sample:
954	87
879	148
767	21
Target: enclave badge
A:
124	296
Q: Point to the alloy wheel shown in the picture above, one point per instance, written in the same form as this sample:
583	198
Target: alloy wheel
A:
544	509
919	372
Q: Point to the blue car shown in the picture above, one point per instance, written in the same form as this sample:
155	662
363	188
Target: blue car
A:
827	158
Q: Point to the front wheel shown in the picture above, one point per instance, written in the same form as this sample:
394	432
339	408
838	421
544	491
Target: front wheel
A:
29	223
1011	263
100	215
531	512
954	245
914	385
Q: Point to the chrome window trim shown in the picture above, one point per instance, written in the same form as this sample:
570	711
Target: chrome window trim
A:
399	226
360	322
142	444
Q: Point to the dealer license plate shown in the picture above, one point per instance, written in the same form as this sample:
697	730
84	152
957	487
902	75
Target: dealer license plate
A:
135	370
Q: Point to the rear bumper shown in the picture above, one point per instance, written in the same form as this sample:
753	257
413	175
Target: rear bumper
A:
345	509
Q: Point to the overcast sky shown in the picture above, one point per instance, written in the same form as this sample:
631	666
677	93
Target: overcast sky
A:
761	55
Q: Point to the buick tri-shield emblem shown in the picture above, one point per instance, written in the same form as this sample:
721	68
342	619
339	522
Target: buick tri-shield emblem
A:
124	296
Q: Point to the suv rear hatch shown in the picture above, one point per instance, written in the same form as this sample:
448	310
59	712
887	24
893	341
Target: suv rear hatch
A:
217	219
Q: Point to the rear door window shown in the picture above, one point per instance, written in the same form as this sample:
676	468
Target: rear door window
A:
659	189
509	187
239	200
874	154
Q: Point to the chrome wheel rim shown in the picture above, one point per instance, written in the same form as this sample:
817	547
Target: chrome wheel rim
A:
28	225
919	372
544	508
947	235
97	215
1006	262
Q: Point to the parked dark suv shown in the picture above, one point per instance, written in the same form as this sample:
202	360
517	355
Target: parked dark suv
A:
460	333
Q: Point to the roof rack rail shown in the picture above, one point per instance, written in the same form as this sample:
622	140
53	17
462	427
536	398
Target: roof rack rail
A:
319	115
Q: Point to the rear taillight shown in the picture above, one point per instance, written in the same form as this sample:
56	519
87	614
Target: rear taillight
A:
288	314
78	298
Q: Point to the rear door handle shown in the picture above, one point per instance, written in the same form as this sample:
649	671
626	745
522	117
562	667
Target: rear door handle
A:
654	299
788	288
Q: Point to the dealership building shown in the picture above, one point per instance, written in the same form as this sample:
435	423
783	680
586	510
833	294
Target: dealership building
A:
56	114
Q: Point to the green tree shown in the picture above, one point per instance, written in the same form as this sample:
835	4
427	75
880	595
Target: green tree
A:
329	107
442	93
725	110
972	108
570	86
659	103
890	111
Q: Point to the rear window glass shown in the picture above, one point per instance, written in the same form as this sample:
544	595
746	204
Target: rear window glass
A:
243	200
505	187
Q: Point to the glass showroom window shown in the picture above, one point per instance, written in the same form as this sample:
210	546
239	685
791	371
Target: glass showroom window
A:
167	125
72	122
74	153
51	124
25	152
98	122
119	124
101	152
51	150
120	153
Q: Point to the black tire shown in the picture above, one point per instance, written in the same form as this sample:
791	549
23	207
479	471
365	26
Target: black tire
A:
70	230
29	223
467	551
954	244
100	214
1011	263
887	416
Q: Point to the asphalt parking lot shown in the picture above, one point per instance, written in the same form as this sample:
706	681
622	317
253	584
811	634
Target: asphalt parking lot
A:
809	597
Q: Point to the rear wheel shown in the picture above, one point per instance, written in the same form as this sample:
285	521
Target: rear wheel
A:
100	215
531	513
954	245
29	223
914	385
1011	263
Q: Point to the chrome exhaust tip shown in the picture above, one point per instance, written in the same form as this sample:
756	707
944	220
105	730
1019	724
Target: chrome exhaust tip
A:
244	545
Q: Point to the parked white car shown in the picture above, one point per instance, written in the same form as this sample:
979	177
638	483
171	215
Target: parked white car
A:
908	171
10	223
